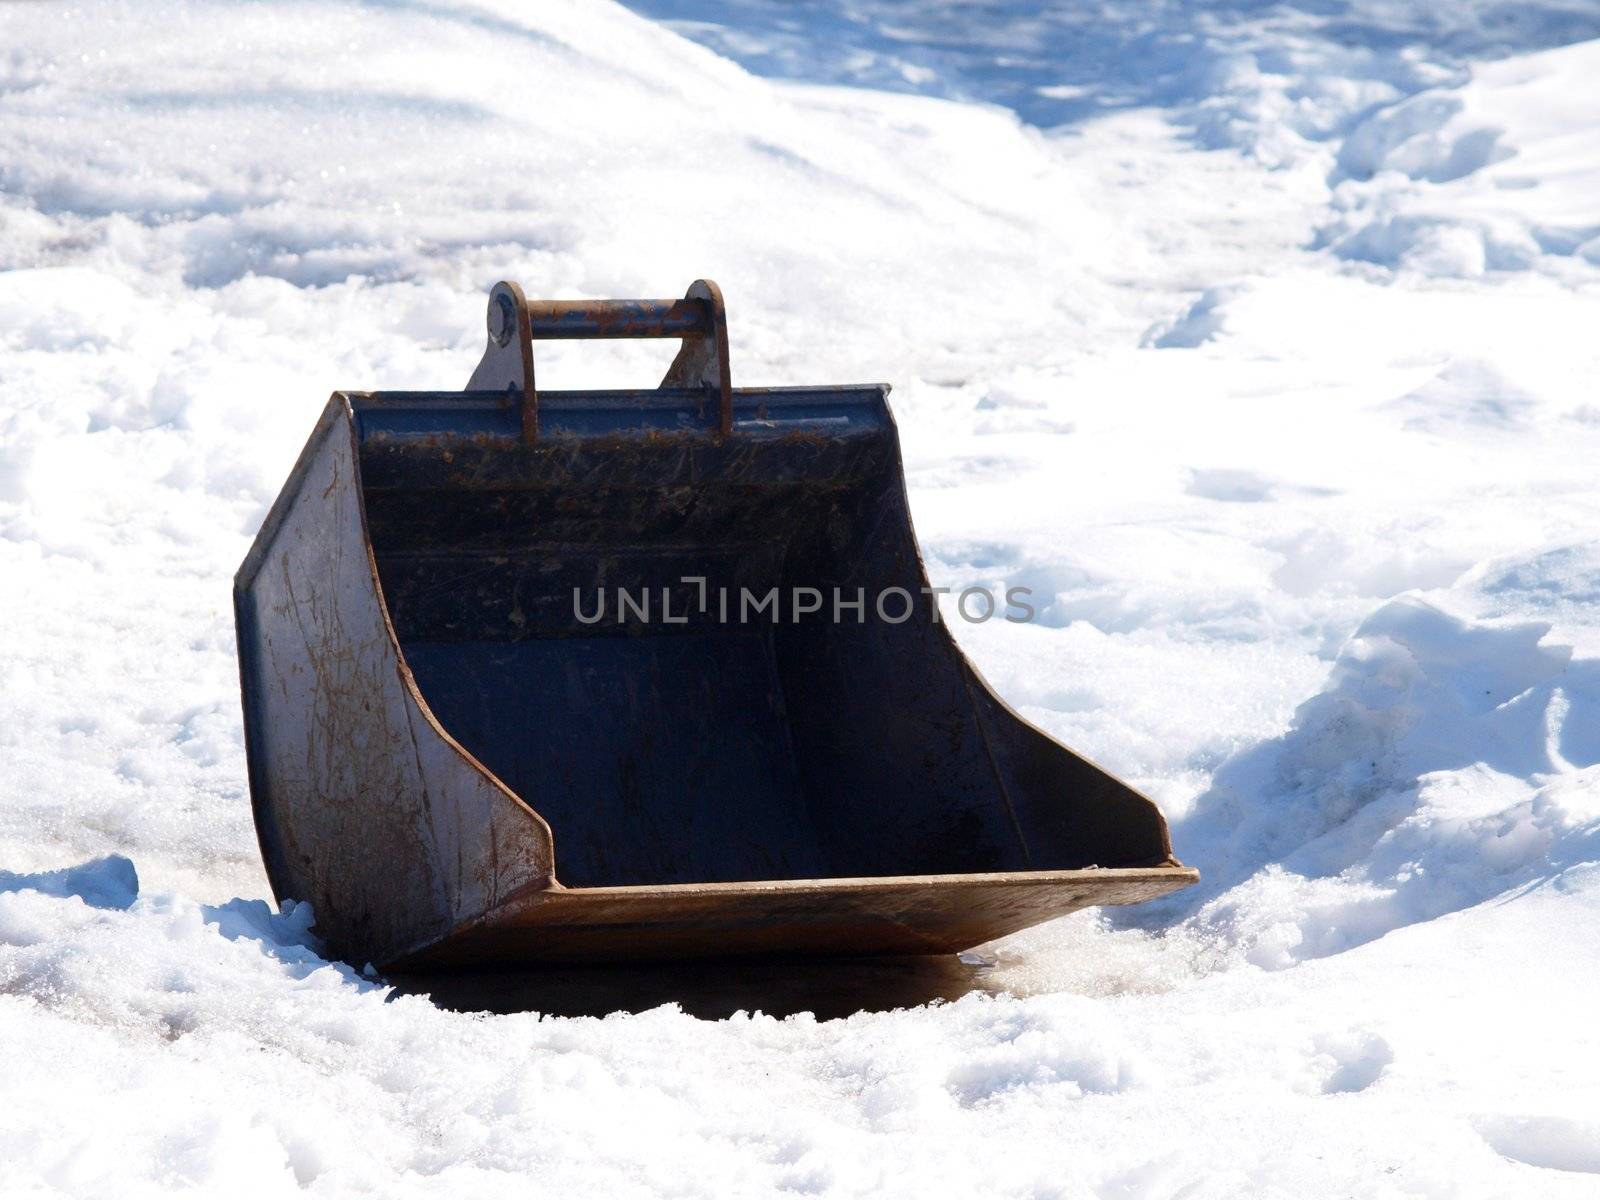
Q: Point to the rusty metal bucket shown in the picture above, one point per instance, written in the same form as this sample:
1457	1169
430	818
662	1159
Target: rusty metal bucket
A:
612	676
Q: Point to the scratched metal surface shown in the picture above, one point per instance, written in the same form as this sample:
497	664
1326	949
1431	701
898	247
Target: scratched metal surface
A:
363	805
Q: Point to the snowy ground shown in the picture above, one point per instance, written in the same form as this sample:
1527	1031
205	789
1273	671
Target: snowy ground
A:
1258	340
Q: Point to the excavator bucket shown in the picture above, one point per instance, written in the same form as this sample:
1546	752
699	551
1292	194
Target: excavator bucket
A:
618	676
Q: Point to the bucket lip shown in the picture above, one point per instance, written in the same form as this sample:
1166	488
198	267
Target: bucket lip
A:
1170	871
960	910
583	398
494	420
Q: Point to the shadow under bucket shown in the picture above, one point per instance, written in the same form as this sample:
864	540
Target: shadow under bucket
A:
711	989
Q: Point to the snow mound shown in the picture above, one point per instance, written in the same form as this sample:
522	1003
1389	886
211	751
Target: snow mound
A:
109	882
1487	175
1272	80
1447	762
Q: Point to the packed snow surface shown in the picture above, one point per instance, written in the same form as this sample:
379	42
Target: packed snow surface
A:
1258	340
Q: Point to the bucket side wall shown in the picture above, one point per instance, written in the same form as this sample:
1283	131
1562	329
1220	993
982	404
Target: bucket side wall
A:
363	805
912	765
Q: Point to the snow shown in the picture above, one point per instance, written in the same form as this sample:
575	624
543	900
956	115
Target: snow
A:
1256	340
1489	175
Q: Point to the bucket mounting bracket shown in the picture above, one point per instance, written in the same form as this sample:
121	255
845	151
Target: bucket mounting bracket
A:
515	323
